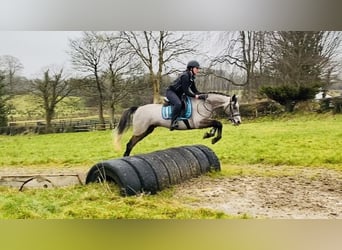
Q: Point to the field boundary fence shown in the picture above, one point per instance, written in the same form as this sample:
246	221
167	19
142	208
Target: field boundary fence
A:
61	126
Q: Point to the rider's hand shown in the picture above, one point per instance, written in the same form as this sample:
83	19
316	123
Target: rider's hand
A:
202	96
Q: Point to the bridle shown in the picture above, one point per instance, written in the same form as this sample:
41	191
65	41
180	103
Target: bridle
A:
230	105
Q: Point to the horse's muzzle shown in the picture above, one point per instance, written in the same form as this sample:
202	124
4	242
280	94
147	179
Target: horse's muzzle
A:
234	122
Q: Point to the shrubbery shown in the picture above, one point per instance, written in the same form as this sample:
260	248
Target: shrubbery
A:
331	104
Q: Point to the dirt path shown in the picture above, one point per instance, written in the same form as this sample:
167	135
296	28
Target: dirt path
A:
303	193
310	194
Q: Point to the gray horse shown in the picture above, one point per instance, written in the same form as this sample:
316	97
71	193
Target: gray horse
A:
147	117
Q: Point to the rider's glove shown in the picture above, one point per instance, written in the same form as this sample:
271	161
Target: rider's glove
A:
203	96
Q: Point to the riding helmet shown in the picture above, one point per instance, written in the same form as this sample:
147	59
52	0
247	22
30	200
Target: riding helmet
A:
193	64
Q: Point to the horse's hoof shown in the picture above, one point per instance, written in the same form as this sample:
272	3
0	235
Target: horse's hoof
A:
213	141
206	135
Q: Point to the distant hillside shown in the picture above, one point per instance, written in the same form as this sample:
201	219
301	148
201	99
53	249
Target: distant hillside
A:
26	107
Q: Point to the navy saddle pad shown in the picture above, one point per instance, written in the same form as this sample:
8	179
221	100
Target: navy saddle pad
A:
185	114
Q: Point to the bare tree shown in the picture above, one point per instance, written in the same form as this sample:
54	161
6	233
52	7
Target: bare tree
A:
10	66
157	50
51	90
86	55
3	108
120	66
243	53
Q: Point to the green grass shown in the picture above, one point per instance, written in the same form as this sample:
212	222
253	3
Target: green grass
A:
293	142
60	150
296	141
314	141
28	107
94	201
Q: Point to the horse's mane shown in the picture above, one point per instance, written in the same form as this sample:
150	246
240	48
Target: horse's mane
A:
217	93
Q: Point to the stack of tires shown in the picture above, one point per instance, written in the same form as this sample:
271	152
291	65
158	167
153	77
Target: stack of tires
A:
155	171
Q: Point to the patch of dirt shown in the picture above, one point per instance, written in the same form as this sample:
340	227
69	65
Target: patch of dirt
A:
308	194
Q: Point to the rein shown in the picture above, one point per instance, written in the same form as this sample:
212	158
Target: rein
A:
208	107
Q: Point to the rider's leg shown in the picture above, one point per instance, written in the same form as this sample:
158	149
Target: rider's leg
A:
176	107
175	113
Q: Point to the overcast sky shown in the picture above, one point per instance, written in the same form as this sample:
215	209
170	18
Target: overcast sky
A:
37	49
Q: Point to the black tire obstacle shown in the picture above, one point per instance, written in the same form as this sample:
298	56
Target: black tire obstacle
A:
155	171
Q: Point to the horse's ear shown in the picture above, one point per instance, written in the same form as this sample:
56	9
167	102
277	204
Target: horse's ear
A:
234	98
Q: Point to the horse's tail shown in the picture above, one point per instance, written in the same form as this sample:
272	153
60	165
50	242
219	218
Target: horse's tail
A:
123	125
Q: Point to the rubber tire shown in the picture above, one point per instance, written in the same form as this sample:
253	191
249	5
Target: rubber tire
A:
194	163
201	157
160	170
118	172
172	167
212	157
145	173
181	162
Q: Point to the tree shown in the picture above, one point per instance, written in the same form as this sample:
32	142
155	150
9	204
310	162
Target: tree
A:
120	68
86	55
3	109
209	81
299	63
156	50
10	66
51	90
243	52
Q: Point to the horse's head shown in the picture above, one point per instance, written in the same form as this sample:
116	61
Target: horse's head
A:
230	105
233	111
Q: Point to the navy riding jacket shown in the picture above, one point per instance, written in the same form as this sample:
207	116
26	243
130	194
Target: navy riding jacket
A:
185	84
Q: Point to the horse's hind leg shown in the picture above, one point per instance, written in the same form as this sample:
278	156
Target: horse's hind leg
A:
136	138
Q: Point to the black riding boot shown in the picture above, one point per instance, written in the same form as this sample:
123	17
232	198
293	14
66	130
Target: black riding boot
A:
174	122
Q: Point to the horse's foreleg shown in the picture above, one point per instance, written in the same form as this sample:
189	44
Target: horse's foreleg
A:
217	126
209	134
135	139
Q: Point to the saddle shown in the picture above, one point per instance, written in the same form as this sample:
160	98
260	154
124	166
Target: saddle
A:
186	109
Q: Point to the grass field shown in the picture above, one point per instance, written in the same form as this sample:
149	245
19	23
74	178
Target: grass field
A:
297	141
27	107
300	141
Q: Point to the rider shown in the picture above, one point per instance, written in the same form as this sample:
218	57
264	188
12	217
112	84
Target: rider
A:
184	84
